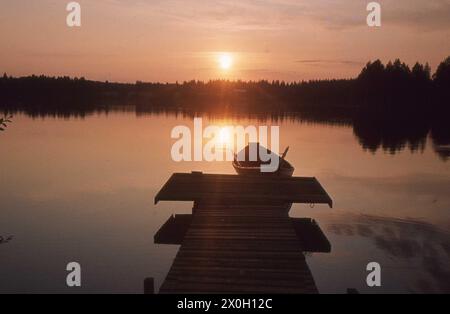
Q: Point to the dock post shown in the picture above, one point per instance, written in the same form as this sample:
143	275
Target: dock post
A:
149	286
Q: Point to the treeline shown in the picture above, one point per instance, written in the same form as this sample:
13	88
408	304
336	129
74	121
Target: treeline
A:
396	86
392	86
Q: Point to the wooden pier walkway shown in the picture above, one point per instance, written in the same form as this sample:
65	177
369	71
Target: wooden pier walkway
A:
234	245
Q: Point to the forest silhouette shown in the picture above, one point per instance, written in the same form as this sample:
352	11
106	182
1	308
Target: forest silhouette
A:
390	106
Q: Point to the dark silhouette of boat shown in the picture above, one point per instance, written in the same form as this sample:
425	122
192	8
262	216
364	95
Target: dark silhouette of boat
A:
244	165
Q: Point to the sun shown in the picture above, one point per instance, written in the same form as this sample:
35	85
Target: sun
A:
225	61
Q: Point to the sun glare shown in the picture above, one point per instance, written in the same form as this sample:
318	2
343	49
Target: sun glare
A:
225	61
224	136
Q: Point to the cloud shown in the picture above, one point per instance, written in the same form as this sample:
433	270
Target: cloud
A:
267	72
233	15
288	14
425	15
321	62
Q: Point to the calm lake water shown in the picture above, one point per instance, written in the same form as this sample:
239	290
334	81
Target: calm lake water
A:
82	190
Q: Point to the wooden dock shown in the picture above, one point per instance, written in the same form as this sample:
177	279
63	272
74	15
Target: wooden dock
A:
249	189
235	243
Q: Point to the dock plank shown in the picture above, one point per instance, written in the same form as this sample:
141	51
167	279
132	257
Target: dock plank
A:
249	253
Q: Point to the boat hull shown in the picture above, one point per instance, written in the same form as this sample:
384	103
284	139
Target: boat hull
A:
284	170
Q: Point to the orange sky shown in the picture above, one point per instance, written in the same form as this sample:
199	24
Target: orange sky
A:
170	40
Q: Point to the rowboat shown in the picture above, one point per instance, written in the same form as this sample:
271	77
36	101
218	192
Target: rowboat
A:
244	165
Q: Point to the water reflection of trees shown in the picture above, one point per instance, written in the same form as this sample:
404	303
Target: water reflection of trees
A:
374	132
392	134
440	135
4	240
408	240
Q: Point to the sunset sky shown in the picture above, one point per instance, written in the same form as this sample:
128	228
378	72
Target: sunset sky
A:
170	40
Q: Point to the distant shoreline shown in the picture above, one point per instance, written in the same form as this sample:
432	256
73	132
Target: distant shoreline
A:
379	87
